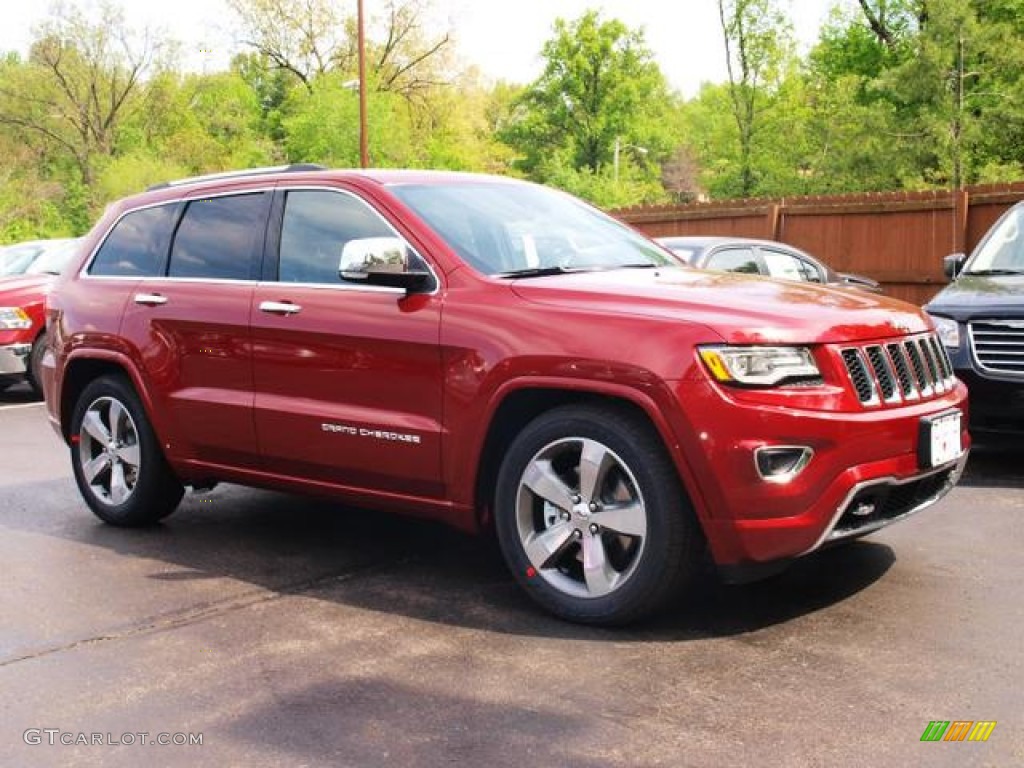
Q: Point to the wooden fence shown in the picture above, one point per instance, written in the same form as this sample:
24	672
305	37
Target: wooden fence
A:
897	238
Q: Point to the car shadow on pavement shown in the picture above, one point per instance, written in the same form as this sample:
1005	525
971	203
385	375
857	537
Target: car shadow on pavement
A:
995	464
18	394
384	563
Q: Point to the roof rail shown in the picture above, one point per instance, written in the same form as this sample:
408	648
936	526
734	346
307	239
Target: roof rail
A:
293	168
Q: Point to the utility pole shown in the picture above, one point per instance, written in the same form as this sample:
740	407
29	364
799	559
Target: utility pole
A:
364	151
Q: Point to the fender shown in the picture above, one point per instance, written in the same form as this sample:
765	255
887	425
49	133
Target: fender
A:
124	362
655	403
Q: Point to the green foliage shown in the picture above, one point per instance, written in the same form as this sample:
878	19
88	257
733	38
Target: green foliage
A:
757	46
322	126
600	87
941	81
895	94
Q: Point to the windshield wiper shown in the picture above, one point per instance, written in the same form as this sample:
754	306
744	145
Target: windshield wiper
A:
991	272
542	271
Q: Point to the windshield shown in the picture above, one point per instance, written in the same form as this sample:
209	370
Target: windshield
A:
15	259
54	258
510	229
1002	252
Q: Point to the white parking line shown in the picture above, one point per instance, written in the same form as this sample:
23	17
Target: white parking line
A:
12	406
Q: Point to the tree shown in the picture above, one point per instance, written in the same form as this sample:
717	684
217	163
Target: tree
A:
304	37
757	46
80	83
947	77
600	88
311	38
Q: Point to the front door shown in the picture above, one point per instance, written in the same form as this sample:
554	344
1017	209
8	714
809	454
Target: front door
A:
347	378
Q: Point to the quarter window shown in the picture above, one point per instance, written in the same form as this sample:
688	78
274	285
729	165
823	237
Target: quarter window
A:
734	260
137	245
790	267
316	226
219	238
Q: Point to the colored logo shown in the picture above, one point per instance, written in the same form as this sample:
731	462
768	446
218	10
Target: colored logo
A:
958	730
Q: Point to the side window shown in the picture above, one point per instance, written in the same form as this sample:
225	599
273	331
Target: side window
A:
137	244
316	226
790	267
734	260
218	237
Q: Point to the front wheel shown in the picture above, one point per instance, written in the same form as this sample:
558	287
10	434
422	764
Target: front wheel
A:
119	467
592	518
35	365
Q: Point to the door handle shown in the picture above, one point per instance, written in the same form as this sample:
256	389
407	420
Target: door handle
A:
279	307
150	299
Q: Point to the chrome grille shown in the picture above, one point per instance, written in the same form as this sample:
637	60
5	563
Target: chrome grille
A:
923	387
934	374
898	355
901	371
859	375
882	369
999	345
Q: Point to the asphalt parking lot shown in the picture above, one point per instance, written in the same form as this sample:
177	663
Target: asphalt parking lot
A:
289	632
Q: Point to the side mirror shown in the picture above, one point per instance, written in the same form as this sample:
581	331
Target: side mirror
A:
381	261
952	264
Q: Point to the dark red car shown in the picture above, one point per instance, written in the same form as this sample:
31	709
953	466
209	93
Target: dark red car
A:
491	353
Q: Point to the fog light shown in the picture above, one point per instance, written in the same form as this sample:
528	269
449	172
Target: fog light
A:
863	509
781	463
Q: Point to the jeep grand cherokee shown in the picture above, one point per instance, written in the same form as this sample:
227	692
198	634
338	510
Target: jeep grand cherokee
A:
496	355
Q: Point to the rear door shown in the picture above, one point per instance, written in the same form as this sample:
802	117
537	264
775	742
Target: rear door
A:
347	377
191	329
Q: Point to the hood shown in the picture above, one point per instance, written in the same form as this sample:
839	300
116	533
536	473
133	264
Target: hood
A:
980	296
23	289
742	309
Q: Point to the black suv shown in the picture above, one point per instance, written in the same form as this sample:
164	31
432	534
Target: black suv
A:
980	319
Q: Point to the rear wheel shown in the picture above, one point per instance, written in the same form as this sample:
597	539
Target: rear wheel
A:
592	519
120	470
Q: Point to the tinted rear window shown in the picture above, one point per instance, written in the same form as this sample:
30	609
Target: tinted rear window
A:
137	245
218	238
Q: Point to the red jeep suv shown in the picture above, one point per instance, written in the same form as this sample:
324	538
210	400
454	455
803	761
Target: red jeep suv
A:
496	355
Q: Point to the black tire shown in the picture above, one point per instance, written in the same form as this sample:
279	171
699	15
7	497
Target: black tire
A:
548	547
147	491
34	372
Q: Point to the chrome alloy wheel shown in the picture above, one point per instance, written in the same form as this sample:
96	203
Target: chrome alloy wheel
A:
108	451
581	517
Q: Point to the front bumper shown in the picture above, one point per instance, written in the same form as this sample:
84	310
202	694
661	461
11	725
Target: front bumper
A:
14	359
866	472
874	504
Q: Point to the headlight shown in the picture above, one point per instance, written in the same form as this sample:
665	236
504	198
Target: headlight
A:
14	319
759	366
948	330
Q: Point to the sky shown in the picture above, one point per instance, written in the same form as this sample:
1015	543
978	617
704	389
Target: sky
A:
502	38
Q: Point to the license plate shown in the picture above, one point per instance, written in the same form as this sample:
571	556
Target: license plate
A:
940	439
